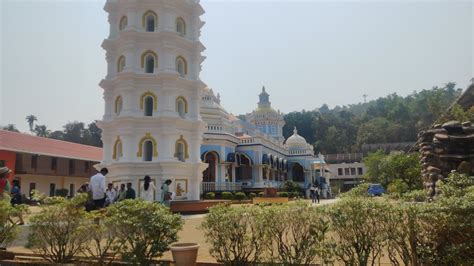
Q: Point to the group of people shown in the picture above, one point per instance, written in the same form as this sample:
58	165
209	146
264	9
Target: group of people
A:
314	193
102	196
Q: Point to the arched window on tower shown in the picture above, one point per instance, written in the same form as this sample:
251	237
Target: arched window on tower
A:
149	61
117	154
148	103
123	23
120	64
148	151
149	106
181	66
147	148
149	21
118	105
181	26
181	106
181	149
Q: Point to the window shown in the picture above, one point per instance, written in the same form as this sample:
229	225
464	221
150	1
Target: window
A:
2	163
346	171
54	164
123	23
148	151
181	106
71	190
118	105
360	171
52	189
149	21
117	154
34	161
86	167
147	148
71	167
181	26
339	171
353	171
120	64
148	103
18	162
181	149
149	61
181	66
149	106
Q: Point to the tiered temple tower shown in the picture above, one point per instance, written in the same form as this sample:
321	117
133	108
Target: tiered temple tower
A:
152	91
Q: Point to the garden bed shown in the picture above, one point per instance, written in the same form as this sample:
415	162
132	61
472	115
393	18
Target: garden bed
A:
270	200
194	207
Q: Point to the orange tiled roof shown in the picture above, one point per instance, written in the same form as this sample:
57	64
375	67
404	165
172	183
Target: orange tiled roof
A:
21	142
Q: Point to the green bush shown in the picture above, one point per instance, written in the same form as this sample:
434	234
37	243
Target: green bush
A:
240	196
290	186
415	196
227	195
261	194
145	229
252	195
357	233
102	243
282	194
62	192
57	233
358	191
8	220
294	194
397	188
210	195
296	234
235	234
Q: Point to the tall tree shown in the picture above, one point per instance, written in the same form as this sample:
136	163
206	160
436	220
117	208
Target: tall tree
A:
42	131
31	121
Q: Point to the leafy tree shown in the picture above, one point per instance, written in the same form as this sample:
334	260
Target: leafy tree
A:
11	127
42	131
31	121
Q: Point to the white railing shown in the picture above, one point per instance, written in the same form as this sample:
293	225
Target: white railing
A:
224	186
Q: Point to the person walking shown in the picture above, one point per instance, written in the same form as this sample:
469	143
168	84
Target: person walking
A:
97	188
4	183
313	193
130	194
147	190
316	194
165	193
110	194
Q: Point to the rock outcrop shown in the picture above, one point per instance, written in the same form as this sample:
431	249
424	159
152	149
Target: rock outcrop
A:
445	148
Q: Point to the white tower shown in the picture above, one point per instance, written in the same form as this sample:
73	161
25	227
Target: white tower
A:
152	91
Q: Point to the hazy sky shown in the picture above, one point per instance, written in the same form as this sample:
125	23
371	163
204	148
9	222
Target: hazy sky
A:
306	53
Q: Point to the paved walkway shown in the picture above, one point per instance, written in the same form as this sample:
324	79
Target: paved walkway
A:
190	233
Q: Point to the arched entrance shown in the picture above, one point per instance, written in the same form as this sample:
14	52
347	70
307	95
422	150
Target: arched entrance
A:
210	174
297	172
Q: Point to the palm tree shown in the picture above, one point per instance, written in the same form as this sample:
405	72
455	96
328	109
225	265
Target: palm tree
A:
11	127
42	131
31	121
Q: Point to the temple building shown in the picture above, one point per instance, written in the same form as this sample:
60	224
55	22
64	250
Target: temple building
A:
161	120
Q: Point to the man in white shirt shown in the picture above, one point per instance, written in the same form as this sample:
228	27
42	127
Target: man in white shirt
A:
111	194
97	187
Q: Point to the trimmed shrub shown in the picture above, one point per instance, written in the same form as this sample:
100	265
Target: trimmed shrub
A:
240	196
296	234
293	194
415	196
57	233
252	195
358	191
227	195
8	220
282	194
145	229
397	188
102	242
261	194
210	195
235	234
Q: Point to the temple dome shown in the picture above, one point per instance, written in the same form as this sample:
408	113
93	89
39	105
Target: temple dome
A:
295	140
